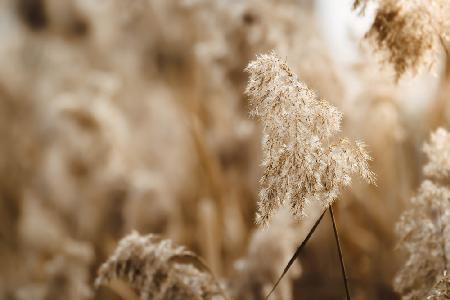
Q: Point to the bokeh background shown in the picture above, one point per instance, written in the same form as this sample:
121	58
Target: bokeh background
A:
121	115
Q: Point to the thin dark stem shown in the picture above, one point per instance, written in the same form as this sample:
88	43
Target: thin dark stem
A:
336	236
442	226
297	253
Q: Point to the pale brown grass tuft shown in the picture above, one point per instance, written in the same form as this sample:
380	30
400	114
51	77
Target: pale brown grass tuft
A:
157	269
302	164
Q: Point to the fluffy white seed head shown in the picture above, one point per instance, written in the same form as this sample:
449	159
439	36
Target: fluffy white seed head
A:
158	269
424	230
301	163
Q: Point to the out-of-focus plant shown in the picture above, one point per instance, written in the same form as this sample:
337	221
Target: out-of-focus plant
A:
157	269
424	230
410	33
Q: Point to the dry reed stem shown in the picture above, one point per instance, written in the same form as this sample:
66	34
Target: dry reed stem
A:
341	258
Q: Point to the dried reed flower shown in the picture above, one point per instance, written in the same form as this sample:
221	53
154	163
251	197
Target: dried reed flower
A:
300	163
157	269
441	289
424	232
409	33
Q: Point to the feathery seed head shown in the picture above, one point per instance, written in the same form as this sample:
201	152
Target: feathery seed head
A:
410	33
300	163
157	269
423	229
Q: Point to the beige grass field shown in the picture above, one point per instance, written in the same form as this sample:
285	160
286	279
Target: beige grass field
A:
184	149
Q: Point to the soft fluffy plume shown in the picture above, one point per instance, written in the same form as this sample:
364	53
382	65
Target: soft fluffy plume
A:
301	164
424	232
157	269
410	33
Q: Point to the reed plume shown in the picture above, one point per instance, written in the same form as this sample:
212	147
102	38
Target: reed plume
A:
158	269
301	163
423	228
409	33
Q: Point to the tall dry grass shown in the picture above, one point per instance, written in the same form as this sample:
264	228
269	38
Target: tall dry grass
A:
131	115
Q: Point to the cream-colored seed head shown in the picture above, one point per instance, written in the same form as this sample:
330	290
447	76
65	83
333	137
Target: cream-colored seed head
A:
157	269
301	162
424	232
409	33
